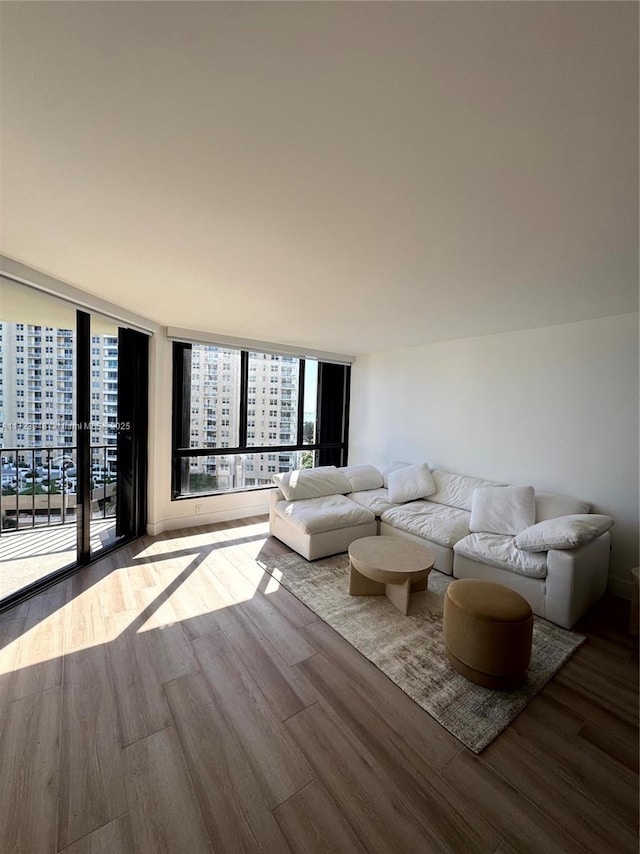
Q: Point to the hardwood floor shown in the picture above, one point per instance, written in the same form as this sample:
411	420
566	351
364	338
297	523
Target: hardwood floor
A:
173	698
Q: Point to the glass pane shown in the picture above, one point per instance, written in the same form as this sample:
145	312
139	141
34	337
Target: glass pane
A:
272	405
37	435
104	417
310	423
215	397
240	471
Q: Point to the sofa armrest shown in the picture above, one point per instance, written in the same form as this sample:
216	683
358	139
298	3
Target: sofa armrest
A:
576	579
274	495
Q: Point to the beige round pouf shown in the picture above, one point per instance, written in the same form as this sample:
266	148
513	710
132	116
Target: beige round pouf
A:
487	632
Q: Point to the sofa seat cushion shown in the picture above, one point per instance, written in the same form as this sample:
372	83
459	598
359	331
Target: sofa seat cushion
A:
435	522
500	550
376	500
317	515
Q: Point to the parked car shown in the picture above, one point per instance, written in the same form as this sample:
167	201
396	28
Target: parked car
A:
56	470
59	465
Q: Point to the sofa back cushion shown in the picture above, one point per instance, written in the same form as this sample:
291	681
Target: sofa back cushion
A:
393	466
502	509
456	490
410	483
362	477
312	483
549	506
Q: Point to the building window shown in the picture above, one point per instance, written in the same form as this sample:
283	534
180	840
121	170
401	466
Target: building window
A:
308	402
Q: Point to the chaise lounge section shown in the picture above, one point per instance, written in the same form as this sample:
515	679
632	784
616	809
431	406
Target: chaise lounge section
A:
310	513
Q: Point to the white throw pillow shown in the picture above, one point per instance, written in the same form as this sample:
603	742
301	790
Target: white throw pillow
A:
409	483
563	532
502	509
394	466
312	483
362	478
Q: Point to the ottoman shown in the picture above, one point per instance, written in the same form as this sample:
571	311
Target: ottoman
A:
487	632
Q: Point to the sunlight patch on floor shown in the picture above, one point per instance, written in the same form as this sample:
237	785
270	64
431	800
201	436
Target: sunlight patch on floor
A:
273	584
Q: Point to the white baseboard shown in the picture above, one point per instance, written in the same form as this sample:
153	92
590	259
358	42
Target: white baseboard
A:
229	515
155	528
619	587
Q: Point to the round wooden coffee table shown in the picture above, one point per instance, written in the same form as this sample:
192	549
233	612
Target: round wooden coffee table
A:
389	566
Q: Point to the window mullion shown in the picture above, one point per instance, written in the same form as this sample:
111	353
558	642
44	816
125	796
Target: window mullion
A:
300	436
181	412
83	435
244	398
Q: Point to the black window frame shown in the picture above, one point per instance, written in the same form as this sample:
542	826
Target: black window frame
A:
332	419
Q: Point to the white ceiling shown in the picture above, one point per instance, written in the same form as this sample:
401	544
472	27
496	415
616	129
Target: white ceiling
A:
346	176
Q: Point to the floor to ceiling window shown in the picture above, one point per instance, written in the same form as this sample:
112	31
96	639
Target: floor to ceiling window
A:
104	432
241	416
38	499
61	430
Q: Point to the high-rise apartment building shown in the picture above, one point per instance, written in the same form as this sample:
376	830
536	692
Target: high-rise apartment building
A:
37	389
104	399
271	418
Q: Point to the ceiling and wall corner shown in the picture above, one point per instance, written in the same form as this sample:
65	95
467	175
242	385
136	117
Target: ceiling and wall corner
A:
351	177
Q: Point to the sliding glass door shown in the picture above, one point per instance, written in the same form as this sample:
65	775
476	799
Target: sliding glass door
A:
103	457
73	427
38	499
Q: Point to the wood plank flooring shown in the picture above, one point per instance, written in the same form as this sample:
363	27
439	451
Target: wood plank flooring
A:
174	698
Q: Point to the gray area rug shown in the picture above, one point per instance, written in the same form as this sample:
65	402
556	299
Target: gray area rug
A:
410	650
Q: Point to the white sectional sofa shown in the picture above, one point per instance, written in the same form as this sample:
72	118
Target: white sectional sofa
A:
547	547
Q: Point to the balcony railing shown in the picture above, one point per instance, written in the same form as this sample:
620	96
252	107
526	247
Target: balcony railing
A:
39	485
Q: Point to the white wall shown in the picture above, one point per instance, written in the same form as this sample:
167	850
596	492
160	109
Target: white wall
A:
555	407
163	513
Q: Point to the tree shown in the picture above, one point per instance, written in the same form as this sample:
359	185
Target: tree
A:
306	461
202	482
33	489
309	432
